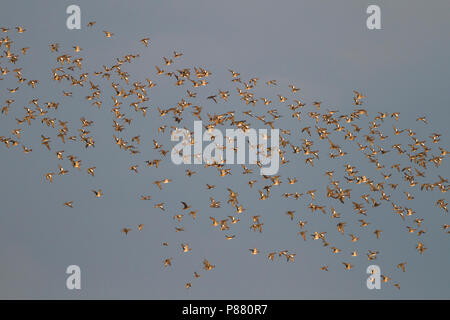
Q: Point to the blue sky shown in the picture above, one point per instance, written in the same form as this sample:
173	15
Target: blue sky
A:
323	47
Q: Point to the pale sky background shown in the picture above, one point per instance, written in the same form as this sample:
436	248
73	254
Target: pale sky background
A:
323	47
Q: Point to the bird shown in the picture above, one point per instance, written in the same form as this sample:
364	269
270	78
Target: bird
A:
98	193
207	265
348	266
290	214
108	34
377	233
20	29
185	247
49	176
91	171
145	41
69	204
420	247
402	266
167	262
185	205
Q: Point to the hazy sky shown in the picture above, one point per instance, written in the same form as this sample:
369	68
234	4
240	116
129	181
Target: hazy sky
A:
323	47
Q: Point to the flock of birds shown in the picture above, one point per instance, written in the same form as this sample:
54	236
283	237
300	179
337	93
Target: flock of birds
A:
356	131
